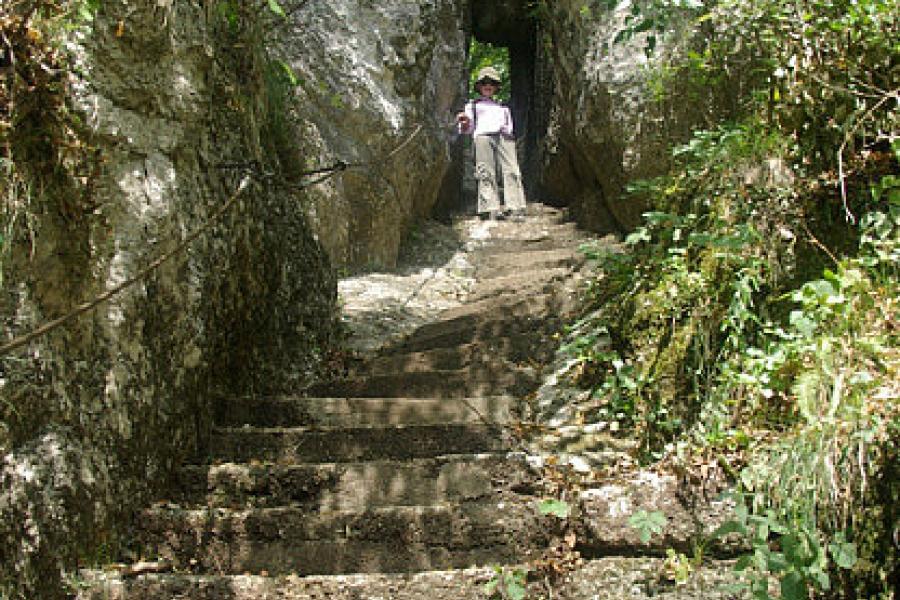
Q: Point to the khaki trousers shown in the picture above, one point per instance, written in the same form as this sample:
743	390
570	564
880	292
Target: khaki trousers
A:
492	151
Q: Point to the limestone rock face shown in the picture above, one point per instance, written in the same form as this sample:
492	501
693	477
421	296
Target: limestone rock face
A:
96	414
178	100
370	75
606	127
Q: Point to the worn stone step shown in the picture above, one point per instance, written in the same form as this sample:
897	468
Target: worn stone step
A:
484	380
529	260
490	317
512	336
287	540
359	411
435	359
497	329
458	584
502	308
609	578
508	321
342	444
354	486
520	283
551	237
499	353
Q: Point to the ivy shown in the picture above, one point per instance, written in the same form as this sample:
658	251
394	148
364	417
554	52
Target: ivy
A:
557	508
647	524
507	583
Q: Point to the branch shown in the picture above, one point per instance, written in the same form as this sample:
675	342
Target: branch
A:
847	137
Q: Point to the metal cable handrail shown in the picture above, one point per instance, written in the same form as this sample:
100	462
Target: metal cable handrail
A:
323	174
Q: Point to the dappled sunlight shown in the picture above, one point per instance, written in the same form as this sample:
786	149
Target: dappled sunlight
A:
408	461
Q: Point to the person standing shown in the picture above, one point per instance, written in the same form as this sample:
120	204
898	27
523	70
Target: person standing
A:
491	126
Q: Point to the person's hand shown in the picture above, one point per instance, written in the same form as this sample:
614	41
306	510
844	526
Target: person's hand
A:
463	119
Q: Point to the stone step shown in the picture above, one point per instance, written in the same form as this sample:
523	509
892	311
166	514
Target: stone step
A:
360	411
610	578
550	237
529	260
520	284
459	584
289	540
500	353
483	380
436	359
507	330
342	444
511	307
326	487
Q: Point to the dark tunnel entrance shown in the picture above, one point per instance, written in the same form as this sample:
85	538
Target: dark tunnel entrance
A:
500	24
509	23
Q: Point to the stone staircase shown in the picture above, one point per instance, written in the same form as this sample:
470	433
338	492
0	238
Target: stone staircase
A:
403	466
399	480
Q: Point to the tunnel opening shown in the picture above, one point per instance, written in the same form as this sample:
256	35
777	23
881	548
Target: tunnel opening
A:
505	32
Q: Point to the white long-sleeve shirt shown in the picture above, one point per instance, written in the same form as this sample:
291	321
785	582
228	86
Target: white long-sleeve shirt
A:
487	117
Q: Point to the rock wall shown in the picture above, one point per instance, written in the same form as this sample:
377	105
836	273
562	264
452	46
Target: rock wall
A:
177	100
606	126
370	75
95	415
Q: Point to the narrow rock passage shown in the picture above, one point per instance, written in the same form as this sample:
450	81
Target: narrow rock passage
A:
400	479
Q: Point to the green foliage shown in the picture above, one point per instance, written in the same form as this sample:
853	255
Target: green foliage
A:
647	524
685	290
507	583
791	551
826	370
234	12
275	7
558	508
47	163
86	9
678	566
653	18
710	325
880	229
822	70
811	369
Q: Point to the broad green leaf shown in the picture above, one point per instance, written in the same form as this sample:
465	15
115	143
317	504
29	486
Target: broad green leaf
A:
275	7
491	586
729	527
515	590
793	587
640	235
289	73
647	524
557	508
777	563
793	548
844	554
802	323
821	578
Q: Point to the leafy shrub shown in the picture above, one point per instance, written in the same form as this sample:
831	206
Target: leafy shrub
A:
727	323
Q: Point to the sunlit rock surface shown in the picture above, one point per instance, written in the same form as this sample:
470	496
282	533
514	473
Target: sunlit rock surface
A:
96	414
370	76
607	126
